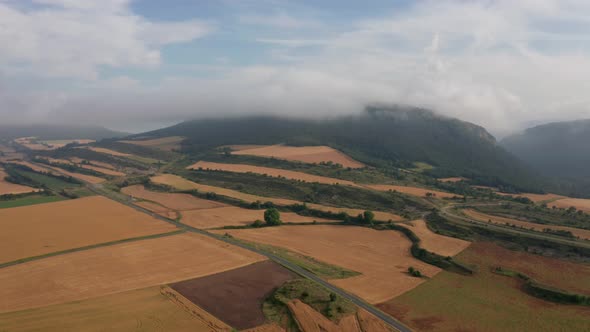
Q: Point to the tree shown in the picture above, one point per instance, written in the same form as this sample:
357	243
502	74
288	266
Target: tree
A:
368	217
272	217
257	223
332	297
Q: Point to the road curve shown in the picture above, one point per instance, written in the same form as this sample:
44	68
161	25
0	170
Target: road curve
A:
392	322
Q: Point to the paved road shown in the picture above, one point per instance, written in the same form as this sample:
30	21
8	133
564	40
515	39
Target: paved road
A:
293	267
446	212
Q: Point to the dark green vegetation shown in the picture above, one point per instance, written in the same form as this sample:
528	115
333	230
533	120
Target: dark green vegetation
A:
51	132
515	241
24	175
68	152
334	195
148	154
560	150
380	137
446	263
540	214
329	304
272	217
10	202
321	269
544	291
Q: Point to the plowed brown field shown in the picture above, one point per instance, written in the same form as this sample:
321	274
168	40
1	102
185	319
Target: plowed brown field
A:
107	270
39	229
274	172
415	191
383	257
578	203
236	296
164	143
582	233
442	245
236	216
12	188
149	309
183	184
179	202
306	154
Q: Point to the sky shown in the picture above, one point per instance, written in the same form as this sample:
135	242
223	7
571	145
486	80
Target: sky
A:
141	64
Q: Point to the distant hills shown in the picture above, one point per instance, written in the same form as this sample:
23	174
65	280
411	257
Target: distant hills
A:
379	136
55	132
560	150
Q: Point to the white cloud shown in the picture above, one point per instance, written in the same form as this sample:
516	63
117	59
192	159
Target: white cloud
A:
71	38
477	60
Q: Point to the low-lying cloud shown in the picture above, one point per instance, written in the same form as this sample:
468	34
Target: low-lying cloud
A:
501	64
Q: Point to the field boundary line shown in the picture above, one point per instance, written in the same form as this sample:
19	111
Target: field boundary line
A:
92	246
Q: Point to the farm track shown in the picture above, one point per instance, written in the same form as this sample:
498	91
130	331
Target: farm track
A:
295	268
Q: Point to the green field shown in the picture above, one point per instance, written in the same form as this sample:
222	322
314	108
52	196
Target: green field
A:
488	301
29	200
51	182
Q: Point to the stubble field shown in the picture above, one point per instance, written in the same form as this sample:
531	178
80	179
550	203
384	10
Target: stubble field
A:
12	188
306	154
117	268
383	257
39	229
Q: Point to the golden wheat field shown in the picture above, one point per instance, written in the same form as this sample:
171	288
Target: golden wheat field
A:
117	268
40	229
306	154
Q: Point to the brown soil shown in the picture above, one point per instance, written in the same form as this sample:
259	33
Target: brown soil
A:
442	245
117	268
455	179
370	323
236	296
582	233
39	229
108	151
578	203
306	154
415	191
274	172
183	184
164	143
179	202
12	188
383	257
236	216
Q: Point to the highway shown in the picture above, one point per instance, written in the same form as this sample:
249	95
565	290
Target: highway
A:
392	322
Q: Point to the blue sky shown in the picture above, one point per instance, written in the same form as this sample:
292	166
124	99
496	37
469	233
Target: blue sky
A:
141	64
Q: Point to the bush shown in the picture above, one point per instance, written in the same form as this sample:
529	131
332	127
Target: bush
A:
257	223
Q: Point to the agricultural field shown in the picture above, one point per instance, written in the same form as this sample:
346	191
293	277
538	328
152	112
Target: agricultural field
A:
382	257
442	245
107	151
179	202
165	143
452	180
306	154
117	268
236	216
236	296
180	183
56	144
82	177
274	172
578	203
581	233
150	309
12	188
40	229
49	181
415	191
30	200
487	301
105	171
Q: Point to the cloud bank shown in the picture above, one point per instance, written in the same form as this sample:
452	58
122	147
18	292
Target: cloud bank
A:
500	64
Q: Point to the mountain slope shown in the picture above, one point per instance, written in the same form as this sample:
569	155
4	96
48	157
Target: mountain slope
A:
559	149
379	137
